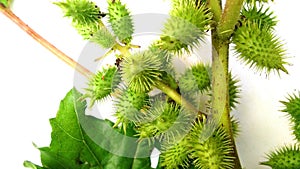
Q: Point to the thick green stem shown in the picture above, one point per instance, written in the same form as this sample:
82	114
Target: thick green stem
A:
220	90
222	30
177	98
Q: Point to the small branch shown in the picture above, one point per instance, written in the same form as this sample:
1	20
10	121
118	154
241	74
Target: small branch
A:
216	9
229	18
62	56
178	98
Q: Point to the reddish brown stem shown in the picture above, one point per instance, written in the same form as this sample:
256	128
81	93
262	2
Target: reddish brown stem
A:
62	56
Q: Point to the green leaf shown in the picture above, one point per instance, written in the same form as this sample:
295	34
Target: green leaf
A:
29	164
69	141
85	142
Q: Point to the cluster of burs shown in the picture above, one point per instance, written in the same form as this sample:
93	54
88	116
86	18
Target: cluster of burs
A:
171	117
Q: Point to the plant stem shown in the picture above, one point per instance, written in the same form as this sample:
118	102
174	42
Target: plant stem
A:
221	33
178	98
62	56
216	9
229	18
220	91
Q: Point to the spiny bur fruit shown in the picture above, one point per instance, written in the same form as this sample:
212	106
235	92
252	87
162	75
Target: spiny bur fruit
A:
260	15
287	157
174	156
213	153
196	78
120	20
292	107
129	106
102	84
85	15
186	27
259	47
142	70
104	38
164	121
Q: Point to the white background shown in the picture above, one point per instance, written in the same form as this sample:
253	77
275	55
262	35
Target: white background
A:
33	81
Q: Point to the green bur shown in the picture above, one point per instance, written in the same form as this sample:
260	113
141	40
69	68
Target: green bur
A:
292	107
197	79
120	20
284	158
257	46
185	28
102	84
142	70
191	151
213	153
259	15
85	15
129	104
104	38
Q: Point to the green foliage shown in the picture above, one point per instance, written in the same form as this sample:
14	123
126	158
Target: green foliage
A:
287	157
292	107
213	153
258	46
29	164
104	38
142	70
120	20
102	84
72	148
186	27
85	15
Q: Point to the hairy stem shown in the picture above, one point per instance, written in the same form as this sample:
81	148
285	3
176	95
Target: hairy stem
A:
178	98
62	56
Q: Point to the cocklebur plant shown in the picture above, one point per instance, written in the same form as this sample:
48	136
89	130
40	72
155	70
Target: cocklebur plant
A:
173	120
